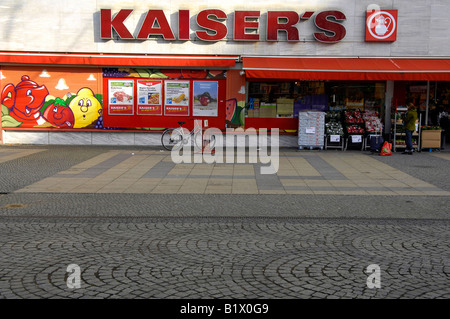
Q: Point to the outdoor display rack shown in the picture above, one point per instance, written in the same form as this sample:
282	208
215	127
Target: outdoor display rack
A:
398	132
355	130
334	131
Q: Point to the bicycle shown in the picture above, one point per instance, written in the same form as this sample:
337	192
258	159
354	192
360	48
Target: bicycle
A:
176	138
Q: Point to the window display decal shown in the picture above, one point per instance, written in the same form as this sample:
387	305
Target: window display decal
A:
177	97
205	98
85	107
36	101
235	106
24	102
121	97
149	95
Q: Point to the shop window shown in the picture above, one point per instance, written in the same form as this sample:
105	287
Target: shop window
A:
277	104
286	99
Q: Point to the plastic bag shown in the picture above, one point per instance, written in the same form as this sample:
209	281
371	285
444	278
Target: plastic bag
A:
386	150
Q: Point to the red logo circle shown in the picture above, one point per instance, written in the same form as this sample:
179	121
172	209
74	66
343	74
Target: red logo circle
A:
381	25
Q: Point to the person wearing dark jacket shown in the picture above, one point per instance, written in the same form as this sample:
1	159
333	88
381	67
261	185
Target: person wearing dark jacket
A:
410	127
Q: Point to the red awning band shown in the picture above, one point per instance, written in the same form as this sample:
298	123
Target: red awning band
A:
117	60
373	69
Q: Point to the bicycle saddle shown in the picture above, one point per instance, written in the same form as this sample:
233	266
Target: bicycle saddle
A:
181	123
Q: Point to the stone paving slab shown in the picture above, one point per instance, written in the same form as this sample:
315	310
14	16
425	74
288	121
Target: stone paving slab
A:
117	171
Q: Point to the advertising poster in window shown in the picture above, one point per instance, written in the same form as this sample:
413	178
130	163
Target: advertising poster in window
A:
176	98
205	98
121	97
149	97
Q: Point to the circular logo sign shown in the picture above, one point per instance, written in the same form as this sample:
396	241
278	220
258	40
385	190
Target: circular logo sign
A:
381	25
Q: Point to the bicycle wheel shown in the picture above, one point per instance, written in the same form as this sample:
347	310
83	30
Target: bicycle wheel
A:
171	139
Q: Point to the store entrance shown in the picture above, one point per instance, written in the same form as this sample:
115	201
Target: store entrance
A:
432	99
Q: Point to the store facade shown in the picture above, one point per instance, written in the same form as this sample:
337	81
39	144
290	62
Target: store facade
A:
115	72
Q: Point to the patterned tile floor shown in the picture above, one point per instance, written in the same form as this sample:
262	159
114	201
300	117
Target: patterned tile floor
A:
310	172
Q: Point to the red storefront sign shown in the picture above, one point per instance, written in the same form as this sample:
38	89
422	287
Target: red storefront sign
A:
381	26
246	25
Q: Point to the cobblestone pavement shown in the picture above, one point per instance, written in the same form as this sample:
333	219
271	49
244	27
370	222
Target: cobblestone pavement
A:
249	246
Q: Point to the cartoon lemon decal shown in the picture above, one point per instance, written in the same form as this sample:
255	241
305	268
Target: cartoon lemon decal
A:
85	107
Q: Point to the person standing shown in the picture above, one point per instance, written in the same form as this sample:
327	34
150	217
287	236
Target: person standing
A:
410	127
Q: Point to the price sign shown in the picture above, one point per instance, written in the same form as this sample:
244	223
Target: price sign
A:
335	138
356	138
310	130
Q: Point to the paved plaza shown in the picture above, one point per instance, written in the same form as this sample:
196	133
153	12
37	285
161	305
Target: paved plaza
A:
139	226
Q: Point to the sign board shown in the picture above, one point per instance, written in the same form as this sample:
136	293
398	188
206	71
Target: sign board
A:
121	97
335	138
212	26
176	98
356	138
149	94
206	101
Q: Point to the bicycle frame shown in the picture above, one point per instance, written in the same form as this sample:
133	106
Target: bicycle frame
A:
197	129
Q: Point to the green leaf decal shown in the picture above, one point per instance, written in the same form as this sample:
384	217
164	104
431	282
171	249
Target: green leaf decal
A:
5	110
9	121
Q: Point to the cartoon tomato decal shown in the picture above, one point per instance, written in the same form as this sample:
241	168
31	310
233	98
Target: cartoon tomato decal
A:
59	115
204	100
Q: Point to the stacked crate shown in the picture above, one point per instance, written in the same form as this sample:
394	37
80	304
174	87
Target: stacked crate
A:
311	129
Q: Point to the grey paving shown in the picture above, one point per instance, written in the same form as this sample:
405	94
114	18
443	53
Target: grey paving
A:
326	170
220	246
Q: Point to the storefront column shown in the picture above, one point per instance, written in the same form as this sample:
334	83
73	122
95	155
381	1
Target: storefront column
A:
1	129
428	103
388	104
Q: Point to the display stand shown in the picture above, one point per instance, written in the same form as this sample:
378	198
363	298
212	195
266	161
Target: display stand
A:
374	128
399	135
355	140
334	130
355	130
335	142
